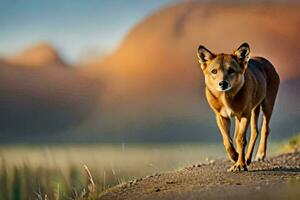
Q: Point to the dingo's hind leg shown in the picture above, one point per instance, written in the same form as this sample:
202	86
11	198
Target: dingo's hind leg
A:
254	132
267	109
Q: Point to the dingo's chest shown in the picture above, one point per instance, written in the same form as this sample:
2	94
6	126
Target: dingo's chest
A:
226	111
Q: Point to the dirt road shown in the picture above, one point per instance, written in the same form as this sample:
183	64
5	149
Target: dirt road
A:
276	178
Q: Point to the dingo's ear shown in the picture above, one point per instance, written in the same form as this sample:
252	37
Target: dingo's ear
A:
242	54
204	55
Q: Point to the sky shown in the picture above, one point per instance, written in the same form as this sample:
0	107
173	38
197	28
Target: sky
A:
76	28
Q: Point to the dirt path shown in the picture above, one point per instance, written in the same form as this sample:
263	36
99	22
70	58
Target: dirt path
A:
276	178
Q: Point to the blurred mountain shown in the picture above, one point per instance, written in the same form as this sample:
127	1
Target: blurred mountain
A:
151	88
41	102
41	54
155	86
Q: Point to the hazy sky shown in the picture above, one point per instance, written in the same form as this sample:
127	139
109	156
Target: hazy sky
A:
75	27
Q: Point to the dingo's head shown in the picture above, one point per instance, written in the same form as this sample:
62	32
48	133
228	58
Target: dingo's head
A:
224	72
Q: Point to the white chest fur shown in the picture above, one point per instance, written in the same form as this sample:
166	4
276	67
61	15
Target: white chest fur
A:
226	110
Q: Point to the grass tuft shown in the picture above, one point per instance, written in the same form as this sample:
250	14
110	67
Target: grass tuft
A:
293	144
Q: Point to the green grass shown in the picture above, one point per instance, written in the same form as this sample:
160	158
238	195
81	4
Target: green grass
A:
58	172
292	144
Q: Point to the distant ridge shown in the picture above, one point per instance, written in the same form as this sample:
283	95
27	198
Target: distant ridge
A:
40	54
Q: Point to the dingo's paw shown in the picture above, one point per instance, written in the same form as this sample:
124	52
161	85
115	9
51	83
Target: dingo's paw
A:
248	161
238	166
260	157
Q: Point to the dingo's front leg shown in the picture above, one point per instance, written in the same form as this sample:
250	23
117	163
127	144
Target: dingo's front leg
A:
224	126
241	144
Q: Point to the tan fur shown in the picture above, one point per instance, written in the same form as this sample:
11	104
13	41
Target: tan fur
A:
251	85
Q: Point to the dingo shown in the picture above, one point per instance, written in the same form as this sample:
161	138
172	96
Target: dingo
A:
239	87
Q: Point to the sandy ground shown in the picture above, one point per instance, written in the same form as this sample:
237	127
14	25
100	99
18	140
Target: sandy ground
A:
276	178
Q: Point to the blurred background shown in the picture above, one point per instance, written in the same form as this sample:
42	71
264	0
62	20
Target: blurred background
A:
117	72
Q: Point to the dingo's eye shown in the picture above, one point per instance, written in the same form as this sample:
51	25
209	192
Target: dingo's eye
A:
214	71
230	71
